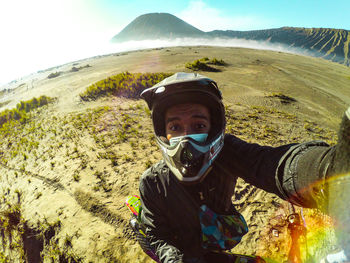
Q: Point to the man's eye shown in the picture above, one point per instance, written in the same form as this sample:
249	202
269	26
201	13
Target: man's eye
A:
200	126
174	127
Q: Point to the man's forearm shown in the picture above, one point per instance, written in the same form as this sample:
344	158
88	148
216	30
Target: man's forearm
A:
302	171
317	176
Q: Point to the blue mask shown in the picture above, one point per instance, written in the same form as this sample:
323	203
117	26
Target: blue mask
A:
199	137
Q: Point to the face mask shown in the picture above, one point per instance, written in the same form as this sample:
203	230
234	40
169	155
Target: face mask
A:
199	137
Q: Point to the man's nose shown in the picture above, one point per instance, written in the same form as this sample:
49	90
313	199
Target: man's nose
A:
187	130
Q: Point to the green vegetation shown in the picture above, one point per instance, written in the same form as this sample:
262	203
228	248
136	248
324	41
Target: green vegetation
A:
199	65
11	225
283	98
203	64
23	242
218	62
148	164
75	69
10	218
20	114
34	103
51	249
80	143
128	85
54	75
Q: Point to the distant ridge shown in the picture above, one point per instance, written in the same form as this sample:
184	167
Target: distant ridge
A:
328	43
331	44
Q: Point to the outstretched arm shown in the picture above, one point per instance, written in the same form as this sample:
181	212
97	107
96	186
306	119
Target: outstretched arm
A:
310	174
320	177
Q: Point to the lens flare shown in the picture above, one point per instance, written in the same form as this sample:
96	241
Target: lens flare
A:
329	230
326	231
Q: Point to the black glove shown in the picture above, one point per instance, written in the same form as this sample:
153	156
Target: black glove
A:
338	186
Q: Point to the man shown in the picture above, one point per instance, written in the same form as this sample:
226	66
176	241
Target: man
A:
186	198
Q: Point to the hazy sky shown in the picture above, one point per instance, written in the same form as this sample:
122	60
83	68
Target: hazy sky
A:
37	34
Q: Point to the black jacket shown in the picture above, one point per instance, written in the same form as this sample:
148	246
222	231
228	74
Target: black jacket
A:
170	209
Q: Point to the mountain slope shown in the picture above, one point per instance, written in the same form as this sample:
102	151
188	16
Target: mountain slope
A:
155	26
331	44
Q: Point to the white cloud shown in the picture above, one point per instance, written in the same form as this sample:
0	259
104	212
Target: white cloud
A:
206	18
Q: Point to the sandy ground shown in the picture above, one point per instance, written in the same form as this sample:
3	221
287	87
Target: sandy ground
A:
69	169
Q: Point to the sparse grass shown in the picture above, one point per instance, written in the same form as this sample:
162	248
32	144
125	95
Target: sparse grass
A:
54	75
19	194
218	62
76	177
75	69
319	133
283	98
38	195
148	111
10	218
11	225
110	155
102	183
148	164
68	241
84	163
126	84
15	233
4	258
126	158
51	249
199	65
21	114
203	64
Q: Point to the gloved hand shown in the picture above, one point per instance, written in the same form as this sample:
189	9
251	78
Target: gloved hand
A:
338	186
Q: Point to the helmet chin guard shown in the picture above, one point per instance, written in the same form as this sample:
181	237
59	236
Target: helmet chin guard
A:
188	159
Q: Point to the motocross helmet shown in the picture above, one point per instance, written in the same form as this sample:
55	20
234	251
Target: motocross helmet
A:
188	159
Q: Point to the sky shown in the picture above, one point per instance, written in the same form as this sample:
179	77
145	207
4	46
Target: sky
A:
39	34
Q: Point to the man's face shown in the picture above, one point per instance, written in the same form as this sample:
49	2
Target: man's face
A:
184	119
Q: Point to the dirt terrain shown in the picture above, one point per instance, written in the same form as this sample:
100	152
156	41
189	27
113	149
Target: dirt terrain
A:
66	173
